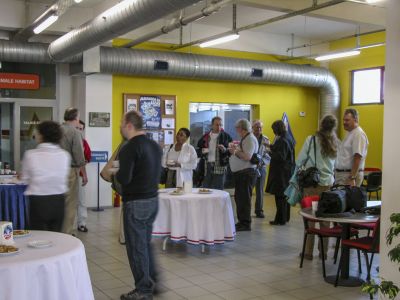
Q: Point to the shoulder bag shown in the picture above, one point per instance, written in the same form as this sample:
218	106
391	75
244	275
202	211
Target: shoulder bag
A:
309	177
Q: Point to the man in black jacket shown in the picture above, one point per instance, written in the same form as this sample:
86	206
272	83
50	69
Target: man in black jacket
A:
214	154
139	175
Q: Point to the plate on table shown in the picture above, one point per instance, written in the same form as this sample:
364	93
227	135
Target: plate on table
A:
177	192
8	250
205	191
21	233
40	244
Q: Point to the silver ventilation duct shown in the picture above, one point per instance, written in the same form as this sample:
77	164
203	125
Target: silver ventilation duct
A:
116	21
29	53
182	65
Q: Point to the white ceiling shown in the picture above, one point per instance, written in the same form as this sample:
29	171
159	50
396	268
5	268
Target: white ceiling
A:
324	24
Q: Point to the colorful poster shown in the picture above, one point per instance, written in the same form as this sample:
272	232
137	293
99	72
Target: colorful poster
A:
150	108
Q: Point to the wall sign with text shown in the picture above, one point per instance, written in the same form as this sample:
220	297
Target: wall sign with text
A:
16	81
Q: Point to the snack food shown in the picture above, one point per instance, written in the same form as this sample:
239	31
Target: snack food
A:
203	190
20	233
8	249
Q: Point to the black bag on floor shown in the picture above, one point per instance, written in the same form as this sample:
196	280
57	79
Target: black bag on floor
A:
332	202
356	198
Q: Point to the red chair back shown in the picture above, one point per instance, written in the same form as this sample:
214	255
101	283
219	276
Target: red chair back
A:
307	201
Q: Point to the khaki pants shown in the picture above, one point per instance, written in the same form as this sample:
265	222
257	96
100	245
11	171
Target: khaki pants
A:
342	177
71	201
311	238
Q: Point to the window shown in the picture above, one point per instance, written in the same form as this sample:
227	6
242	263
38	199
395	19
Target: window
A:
367	86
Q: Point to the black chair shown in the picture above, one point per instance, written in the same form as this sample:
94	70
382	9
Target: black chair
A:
374	182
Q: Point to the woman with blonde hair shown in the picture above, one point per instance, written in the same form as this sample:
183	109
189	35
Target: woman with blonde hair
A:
326	146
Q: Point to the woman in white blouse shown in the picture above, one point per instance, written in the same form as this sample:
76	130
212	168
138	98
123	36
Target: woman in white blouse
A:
45	169
180	159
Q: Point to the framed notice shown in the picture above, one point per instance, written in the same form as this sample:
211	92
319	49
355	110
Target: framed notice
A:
168	123
131	104
169	107
99	119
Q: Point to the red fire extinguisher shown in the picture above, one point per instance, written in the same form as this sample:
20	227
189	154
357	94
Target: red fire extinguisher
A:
117	200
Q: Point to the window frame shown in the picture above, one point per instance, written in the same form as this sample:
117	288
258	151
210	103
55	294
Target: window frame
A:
382	71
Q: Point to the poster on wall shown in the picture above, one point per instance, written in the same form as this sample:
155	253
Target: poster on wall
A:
131	104
99	119
168	123
150	108
169	106
168	137
157	136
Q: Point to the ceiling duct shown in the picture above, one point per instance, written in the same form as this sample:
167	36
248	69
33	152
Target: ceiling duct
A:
194	66
29	53
116	21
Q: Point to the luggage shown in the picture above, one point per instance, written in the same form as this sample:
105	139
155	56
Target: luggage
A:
332	202
356	198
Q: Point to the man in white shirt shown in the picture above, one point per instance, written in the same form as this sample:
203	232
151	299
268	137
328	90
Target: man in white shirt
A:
352	151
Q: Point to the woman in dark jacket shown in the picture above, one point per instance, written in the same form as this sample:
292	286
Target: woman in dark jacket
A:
280	171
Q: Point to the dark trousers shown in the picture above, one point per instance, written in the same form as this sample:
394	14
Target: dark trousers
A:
260	191
213	181
46	212
244	184
282	209
139	216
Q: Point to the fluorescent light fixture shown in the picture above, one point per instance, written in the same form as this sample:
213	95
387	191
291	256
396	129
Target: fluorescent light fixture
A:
371	46
78	1
338	55
220	40
46	23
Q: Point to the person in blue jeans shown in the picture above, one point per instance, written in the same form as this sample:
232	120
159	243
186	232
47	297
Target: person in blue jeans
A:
139	175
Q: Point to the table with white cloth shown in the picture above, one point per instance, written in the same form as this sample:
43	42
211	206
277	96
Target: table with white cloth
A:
199	219
58	272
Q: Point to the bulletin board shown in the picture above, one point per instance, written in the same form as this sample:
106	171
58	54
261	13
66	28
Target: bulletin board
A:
159	115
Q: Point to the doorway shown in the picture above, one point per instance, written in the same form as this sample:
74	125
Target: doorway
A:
19	119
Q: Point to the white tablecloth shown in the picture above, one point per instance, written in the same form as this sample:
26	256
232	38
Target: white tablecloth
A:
195	218
58	272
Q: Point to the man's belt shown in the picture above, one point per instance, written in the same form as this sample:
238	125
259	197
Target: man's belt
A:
346	170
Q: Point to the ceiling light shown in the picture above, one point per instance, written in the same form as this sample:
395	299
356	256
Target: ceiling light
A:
220	40
337	55
46	23
78	1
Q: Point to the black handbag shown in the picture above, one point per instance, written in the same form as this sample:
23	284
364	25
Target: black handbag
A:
256	159
309	177
332	202
164	171
356	198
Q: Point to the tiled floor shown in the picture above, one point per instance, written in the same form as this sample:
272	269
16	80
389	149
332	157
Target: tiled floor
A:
261	264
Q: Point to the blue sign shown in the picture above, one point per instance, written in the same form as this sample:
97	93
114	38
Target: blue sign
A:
99	156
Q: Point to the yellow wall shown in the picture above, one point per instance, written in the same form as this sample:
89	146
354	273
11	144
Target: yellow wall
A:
371	116
270	100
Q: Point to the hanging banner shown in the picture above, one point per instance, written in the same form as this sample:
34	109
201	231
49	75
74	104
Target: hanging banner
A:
16	81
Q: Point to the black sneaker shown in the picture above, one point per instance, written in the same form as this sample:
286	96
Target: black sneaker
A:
260	215
136	295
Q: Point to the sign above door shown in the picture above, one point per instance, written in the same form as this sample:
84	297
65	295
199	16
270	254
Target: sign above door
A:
17	81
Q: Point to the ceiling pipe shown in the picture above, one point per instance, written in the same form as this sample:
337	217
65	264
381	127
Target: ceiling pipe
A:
334	40
116	21
22	52
263	23
193	66
182	21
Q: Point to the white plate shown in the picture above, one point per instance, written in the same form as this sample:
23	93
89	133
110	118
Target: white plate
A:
26	233
10	253
40	244
205	192
177	193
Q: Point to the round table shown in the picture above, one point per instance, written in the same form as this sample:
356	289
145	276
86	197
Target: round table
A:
199	219
58	272
358	218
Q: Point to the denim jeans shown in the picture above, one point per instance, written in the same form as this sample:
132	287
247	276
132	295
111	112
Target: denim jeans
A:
213	181
139	216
